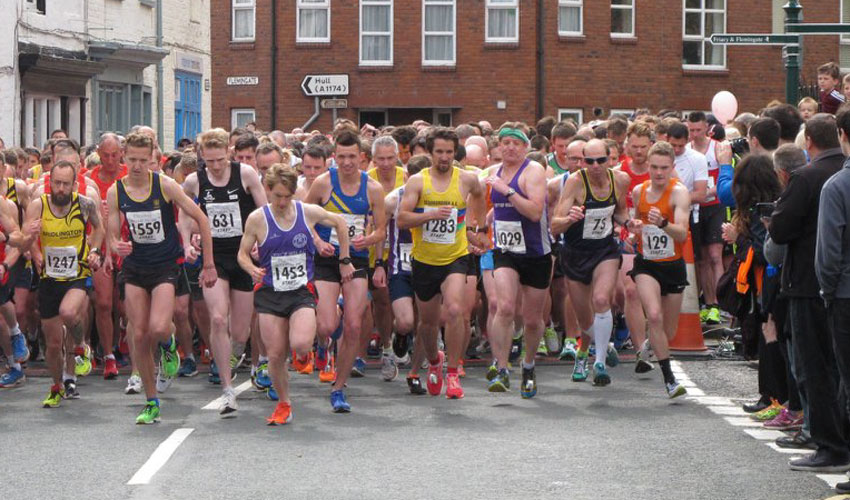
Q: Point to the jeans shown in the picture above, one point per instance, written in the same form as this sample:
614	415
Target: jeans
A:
817	374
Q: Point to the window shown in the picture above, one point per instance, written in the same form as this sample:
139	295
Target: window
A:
502	21
241	117
243	20
121	106
442	117
570	21
574	114
39	6
314	21
374	117
844	43
702	19
625	112
438	32
376	32
623	18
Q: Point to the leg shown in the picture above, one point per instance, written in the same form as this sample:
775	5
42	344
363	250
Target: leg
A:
714	271
327	315
604	279
182	325
356	300
506	287
635	319
452	290
533	304
217	299
54	340
273	329
103	289
138	317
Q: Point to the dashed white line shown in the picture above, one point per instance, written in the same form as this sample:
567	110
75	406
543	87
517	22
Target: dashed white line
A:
215	404
159	457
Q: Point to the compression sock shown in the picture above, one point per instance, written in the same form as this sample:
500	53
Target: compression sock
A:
602	325
666	371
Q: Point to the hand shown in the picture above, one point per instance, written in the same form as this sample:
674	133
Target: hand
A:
107	266
379	277
576	214
208	276
325	249
347	272
257	274
441	213
94	261
359	242
634	226
479	240
476	250
723	153
191	254
124	248
196	241
497	184
730	232
654	216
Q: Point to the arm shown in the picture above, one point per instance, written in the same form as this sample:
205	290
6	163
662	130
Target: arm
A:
175	192
828	252
390	203
533	183
678	227
723	153
407	218
91	213
318	190
9	221
190	185
787	221
252	184
251	235
566	212
32	229
621	212
318	215
376	203
701	191
23	190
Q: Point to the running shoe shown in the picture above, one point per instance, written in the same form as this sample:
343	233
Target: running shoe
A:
328	374
768	413
261	378
415	385
529	383
228	403
374	349
675	390
321	357
282	415
70	390
272	394
82	360
713	317
12	378
358	370
569	353
149	415
612	359
163	382
19	348
304	364
516	348
542	350
703	314
110	369
235	363
134	384
453	387
643	365
338	402
461	371
54	398
213	377
188	368
492	371
389	370
434	381
580	369
501	382
169	360
600	374
553	343
401	344
787	420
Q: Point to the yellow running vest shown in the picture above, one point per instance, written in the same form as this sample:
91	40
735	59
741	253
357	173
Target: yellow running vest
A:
440	242
63	242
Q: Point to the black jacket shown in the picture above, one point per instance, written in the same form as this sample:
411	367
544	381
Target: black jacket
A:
795	223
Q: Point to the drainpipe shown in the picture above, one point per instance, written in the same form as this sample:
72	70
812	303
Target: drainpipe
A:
312	118
274	66
540	86
160	119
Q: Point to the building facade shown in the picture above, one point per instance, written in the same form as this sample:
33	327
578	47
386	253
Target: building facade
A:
92	66
451	61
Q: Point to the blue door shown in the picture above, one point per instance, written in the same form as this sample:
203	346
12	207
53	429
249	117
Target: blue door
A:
187	106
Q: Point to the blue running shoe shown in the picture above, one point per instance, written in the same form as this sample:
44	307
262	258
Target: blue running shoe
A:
188	368
359	368
529	384
263	381
213	377
20	349
12	378
338	402
612	359
272	394
600	374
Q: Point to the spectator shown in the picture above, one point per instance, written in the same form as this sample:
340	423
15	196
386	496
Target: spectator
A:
830	95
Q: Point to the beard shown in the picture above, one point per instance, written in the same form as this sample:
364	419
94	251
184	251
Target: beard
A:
60	200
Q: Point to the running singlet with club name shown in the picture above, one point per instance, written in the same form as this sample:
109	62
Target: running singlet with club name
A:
151	225
397	183
440	242
63	242
287	254
595	231
227	207
401	243
654	243
353	209
515	233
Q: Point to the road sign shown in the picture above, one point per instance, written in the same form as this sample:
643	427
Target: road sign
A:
753	39
334	103
243	80
817	28
321	85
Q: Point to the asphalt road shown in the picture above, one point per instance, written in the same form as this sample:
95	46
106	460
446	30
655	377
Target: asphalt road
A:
625	441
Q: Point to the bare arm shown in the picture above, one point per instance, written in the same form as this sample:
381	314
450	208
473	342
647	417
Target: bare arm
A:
678	227
566	213
252	184
190	185
475	199
407	218
254	226
621	212
91	213
700	192
174	192
379	217
9	220
318	190
533	183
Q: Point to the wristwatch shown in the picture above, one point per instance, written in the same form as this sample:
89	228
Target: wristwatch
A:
95	250
379	263
510	192
663	224
345	261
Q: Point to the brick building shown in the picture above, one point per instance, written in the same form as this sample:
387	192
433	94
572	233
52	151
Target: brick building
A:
451	61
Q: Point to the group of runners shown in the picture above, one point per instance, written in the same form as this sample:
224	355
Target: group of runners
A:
303	258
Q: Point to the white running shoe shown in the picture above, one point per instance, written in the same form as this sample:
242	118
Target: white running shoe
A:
389	368
134	385
162	382
228	405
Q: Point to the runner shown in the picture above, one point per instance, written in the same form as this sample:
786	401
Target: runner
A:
558	161
522	257
59	221
434	208
227	193
313	164
350	192
590	203
12	340
285	299
146	202
661	222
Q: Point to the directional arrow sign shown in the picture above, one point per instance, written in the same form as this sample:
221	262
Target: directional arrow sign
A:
753	39
818	28
325	85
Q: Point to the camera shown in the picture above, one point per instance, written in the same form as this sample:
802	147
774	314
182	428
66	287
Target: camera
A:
740	146
765	209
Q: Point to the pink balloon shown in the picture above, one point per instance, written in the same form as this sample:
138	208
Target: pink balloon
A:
724	106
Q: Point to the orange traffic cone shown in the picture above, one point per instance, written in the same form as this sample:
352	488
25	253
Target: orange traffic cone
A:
688	340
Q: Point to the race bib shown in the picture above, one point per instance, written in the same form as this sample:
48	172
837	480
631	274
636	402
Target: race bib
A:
289	272
356	227
509	236
404	250
710	184
61	262
440	231
225	219
146	227
655	243
597	223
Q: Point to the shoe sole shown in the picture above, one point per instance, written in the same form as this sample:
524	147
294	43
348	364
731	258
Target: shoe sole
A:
342	410
497	388
680	391
357	374
785	427
829	470
228	413
528	395
186	375
454	396
138	422
579	379
643	367
273	423
601	380
392	378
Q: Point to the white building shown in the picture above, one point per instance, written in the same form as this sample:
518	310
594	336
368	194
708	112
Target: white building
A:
91	66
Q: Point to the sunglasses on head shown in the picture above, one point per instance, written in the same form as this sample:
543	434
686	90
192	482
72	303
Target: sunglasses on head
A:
601	160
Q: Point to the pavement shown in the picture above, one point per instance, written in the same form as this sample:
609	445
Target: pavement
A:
625	441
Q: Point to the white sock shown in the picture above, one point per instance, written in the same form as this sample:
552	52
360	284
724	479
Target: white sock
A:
263	359
15	330
388	351
15	366
602	325
109	356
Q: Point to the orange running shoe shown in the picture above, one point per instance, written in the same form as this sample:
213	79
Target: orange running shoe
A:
434	382
460	371
453	388
303	365
110	369
328	375
282	414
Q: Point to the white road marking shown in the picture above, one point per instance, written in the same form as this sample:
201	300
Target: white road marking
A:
788	451
216	403
732	411
713	401
765	434
742	422
159	457
833	479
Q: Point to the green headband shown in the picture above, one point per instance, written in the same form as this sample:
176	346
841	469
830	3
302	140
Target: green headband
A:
513	132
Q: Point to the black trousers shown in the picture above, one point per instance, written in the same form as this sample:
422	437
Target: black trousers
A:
838	315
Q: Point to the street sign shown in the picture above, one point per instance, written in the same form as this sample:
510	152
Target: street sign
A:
321	85
334	103
753	39
817	28
243	80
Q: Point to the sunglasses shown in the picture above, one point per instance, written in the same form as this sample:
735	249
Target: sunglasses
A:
601	160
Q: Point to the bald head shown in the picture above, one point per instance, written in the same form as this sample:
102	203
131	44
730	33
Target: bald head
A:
476	156
109	151
476	140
